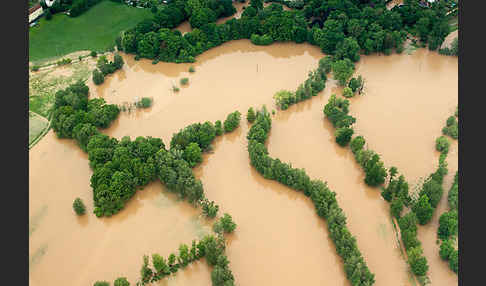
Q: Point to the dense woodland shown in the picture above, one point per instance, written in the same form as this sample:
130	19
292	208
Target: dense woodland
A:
342	28
120	167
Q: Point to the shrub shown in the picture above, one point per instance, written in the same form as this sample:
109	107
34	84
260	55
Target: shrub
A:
454	260
79	207
396	207
343	135
423	210
250	115
102	283
209	208
232	121
442	144
122	281
184	81
192	154
348	92
191	69
218	127
145	102
342	70
118	61
446	248
451	121
357	144
355	83
35	68
98	77
225	224
448	223
65	61
325	64
418	263
93	54
175	88
375	172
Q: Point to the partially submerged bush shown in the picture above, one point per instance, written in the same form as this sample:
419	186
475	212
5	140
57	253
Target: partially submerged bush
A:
191	69
145	102
184	81
442	144
225	224
232	121
348	92
98	77
93	54
250	115
79	207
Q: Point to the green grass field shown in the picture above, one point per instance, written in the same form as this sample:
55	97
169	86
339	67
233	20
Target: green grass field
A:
36	126
96	29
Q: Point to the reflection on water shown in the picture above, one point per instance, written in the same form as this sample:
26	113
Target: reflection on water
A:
278	230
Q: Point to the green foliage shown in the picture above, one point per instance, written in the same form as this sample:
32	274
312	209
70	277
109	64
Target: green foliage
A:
325	64
324	199
454	260
225	224
101	283
232	121
336	110
423	209
448	224
452	197
184	81
357	144
79	207
355	83
446	249
250	115
218	127
121	281
146	272
433	189
202	134
418	263
343	135
452	127
348	48
209	208
442	144
191	69
192	154
348	92
263	40
98	77
342	70
396	207
62	62
375	171
145	102
93	54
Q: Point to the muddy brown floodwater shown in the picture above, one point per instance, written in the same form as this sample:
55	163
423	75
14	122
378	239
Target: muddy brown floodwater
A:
279	239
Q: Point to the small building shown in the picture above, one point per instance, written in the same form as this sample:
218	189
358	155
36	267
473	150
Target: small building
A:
35	12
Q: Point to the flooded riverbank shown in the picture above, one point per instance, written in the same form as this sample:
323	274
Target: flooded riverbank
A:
278	230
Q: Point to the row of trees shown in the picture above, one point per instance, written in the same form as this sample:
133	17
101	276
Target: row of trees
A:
324	199
314	84
210	247
105	67
396	191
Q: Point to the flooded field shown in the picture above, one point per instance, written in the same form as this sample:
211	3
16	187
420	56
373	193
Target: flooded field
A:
408	99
